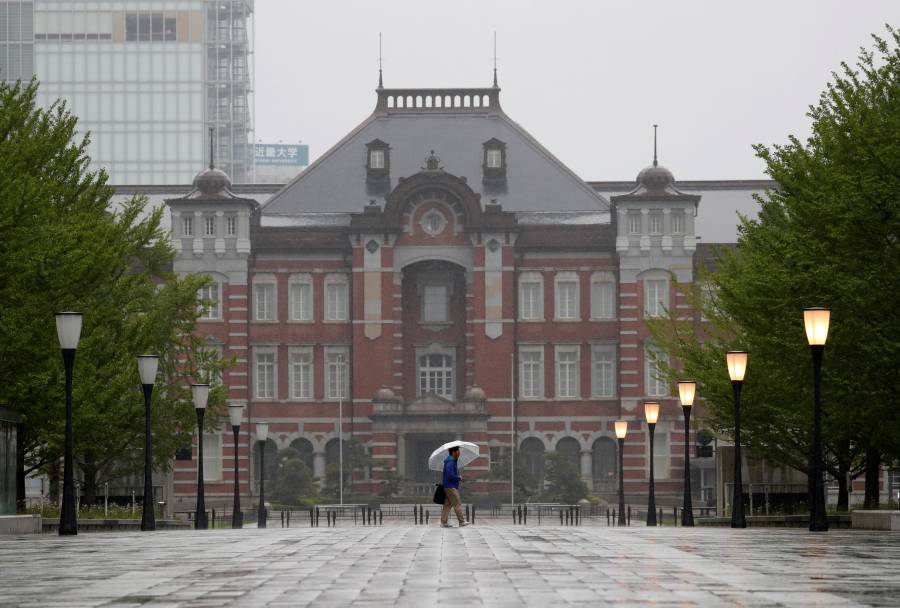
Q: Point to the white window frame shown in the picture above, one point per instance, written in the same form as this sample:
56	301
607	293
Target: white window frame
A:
656	296
187	225
295	284
528	310
603	361
531	372
209	225
337	373
212	456
655	222
266	308
571	309
300	357
654	385
425	375
212	312
265	386
494	158
661	448
678	221
601	309
634	223
377	157
567	386
445	318
231	225
337	310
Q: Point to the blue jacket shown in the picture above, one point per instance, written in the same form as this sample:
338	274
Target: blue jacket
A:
451	474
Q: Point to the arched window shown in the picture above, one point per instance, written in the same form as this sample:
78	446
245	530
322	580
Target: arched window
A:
603	457
304	449
533	457
332	452
569	452
436	375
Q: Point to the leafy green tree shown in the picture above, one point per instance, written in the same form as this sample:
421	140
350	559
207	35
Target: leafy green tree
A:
391	483
63	246
291	480
564	483
828	235
528	484
356	460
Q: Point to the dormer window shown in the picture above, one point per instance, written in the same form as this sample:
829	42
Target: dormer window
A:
378	159
494	161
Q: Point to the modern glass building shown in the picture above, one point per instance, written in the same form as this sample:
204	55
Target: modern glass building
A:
147	79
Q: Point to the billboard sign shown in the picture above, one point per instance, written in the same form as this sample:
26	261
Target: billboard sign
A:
282	154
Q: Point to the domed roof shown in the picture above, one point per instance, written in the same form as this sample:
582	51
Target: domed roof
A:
655	178
384	394
475	393
213	182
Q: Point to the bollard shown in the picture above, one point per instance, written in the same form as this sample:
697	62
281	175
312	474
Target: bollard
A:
415	515
613	516
660	517
629	515
473	515
513	509
317	517
560	517
525	515
467	513
675	514
311	517
282	519
289	519
380	519
214	519
427	515
607	516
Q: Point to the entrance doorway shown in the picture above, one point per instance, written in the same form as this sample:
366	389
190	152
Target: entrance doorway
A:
419	447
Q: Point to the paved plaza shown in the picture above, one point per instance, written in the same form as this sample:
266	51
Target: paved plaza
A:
483	565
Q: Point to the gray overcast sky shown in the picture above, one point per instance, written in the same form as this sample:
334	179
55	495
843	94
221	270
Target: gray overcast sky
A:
587	79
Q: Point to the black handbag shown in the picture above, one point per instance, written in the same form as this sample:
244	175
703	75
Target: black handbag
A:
439	495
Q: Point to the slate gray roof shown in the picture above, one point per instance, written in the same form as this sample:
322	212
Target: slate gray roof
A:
535	179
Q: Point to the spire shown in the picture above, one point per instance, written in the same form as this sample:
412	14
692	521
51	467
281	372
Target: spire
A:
211	164
654	145
380	82
495	59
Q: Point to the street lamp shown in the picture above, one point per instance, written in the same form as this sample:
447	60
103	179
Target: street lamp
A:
621	431
68	330
686	391
235	413
651	413
147	366
816	322
737	367
262	433
200	393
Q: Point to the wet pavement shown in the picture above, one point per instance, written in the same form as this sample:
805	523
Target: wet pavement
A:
481	565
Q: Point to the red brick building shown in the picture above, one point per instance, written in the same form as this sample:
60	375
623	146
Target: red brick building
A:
438	274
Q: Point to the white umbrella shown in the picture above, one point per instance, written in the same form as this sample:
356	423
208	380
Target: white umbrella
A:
467	453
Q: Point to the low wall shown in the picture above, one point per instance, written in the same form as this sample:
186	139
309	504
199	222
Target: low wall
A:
775	521
876	520
20	524
115	525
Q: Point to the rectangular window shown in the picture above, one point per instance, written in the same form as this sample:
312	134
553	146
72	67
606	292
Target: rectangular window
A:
531	372
144	27
131	27
212	456
603	299
301	301
336	300
603	371
434	308
231	225
212	309
567	298
376	159
567	372
171	31
156	27
654	377
656	223
265	375
660	455
494	158
531	299
634	223
677	222
210	225
301	373
264	301
337	373
656	297
436	375
187	226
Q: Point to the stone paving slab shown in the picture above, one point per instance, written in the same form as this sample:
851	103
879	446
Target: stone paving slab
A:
476	566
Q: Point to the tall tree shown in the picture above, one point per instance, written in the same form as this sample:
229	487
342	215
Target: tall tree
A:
63	246
827	235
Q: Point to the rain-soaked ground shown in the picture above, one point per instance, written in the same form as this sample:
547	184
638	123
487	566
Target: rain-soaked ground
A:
480	565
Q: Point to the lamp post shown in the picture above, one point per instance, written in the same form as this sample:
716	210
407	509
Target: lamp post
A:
621	431
651	413
147	366
737	367
262	433
686	391
68	330
816	322
201	396
235	413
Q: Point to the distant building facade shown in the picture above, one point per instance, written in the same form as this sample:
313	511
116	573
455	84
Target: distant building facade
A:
146	78
439	274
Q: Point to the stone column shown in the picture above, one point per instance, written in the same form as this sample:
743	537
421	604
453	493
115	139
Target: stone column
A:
586	465
319	465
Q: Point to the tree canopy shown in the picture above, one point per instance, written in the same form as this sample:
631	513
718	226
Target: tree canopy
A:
827	235
64	246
